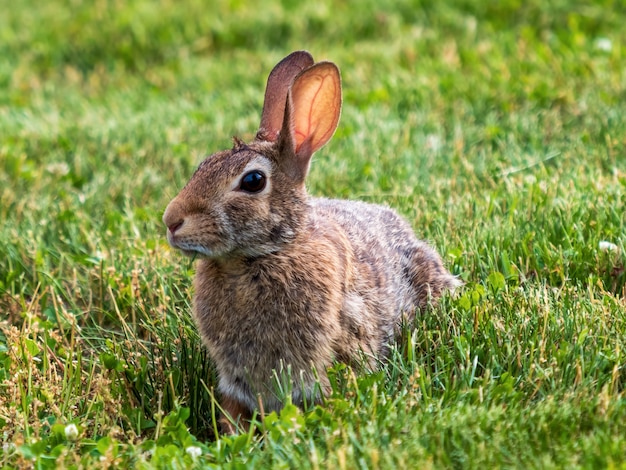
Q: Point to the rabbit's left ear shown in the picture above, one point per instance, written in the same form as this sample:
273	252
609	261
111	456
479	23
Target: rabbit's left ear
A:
312	113
278	83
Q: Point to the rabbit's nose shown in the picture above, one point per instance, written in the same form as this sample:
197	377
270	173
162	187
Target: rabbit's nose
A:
175	226
172	217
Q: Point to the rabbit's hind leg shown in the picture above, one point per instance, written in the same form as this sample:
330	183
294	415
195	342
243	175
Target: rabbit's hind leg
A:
236	416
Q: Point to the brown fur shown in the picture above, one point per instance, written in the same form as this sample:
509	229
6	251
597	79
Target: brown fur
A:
287	280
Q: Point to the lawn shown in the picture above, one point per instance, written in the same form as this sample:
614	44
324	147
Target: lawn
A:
497	129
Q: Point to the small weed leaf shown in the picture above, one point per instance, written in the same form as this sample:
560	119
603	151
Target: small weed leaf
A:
111	362
320	416
104	444
496	281
240	443
27	452
505	390
471	297
285	424
174	428
32	347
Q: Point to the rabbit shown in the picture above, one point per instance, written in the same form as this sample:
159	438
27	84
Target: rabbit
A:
285	280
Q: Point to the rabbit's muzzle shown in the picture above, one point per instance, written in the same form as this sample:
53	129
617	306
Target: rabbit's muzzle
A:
191	232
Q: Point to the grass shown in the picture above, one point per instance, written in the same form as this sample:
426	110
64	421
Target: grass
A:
496	129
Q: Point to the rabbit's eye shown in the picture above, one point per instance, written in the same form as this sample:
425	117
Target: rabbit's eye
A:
253	182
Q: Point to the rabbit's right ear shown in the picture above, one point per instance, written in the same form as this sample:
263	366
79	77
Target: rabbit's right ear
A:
311	116
278	83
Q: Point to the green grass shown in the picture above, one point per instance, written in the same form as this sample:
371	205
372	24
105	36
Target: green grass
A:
496	128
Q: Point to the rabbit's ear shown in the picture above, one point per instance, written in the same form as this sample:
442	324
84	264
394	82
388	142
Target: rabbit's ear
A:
311	114
278	84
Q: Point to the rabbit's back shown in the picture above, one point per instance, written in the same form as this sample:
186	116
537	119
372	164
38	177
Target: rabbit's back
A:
395	269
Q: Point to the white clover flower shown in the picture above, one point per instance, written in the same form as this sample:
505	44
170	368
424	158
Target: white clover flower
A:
71	432
607	246
194	451
603	44
434	142
58	169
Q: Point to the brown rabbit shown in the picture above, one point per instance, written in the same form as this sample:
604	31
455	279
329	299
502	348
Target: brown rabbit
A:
287	280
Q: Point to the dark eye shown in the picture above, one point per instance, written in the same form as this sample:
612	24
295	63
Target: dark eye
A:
253	182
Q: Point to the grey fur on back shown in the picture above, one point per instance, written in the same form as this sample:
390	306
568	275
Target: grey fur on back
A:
407	273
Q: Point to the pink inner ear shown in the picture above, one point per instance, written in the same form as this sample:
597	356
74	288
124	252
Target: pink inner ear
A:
316	104
278	83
